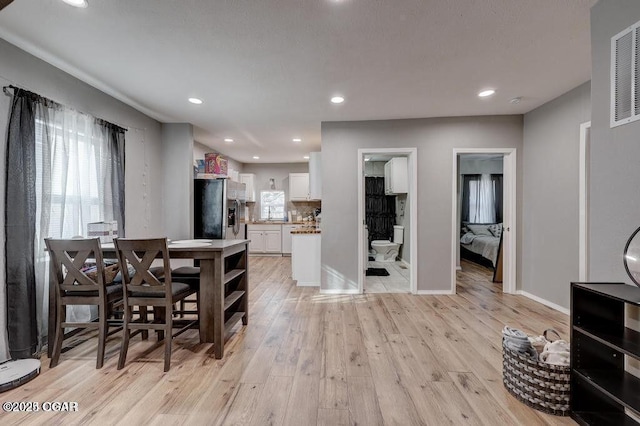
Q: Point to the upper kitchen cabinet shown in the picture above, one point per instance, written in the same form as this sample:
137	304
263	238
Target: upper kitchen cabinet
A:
396	179
299	187
249	180
315	176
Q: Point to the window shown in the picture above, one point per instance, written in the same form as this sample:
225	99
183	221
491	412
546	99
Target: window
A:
482	198
73	173
271	205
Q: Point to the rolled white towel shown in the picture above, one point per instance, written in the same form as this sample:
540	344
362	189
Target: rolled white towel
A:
556	353
555	358
558	346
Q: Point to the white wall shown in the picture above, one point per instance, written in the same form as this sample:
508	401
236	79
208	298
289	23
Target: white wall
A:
614	200
143	180
435	139
550	195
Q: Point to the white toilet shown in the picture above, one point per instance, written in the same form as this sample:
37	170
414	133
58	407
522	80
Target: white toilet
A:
387	251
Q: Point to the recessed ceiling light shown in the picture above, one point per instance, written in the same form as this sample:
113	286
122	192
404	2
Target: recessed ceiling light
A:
195	101
486	93
228	140
516	100
297	140
76	3
306	157
255	157
337	99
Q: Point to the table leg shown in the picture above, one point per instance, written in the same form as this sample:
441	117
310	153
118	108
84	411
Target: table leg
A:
51	333
218	305
206	296
212	303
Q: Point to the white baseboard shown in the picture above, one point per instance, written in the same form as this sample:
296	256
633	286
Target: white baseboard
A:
405	263
458	268
308	284
339	291
433	292
544	302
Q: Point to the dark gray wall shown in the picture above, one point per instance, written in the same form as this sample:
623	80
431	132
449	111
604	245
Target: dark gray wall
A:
550	195
614	172
434	139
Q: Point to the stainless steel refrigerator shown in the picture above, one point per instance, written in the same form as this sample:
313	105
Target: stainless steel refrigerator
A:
218	209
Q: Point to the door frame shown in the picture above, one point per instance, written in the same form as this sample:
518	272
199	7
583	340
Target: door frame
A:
412	169
583	202
509	215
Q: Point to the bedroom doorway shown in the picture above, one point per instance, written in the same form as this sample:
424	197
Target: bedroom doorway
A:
387	214
484	213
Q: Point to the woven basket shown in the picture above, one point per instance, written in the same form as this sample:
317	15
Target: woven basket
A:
545	387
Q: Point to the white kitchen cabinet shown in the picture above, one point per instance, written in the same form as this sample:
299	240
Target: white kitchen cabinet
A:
305	259
249	180
315	176
257	241
298	186
273	241
286	238
396	176
265	238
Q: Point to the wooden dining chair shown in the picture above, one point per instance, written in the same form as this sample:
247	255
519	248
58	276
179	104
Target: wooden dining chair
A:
143	288
76	287
188	275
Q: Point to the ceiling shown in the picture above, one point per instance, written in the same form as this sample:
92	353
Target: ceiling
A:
267	69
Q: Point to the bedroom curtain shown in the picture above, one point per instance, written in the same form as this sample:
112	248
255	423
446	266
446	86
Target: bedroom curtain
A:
380	210
482	198
498	191
77	178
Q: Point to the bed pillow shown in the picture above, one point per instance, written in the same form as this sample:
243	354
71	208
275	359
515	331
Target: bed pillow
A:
496	230
468	238
480	229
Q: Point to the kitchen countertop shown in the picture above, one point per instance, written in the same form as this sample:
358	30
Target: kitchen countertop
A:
272	222
306	231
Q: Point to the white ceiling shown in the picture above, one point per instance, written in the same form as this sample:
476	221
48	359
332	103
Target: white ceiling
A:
266	69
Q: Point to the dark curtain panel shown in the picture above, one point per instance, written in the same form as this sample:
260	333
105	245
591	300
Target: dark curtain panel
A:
20	219
497	185
116	139
466	179
380	210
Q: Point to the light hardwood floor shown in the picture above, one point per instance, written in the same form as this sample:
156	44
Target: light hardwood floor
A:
308	359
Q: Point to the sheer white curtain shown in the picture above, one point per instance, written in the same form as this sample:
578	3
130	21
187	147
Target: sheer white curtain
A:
73	188
482	200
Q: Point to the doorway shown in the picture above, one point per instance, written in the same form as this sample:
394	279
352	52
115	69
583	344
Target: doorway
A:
397	216
505	250
583	201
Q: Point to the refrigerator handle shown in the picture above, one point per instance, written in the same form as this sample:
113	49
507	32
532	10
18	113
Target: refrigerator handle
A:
236	223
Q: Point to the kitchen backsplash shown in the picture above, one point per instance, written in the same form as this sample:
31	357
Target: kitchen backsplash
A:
304	208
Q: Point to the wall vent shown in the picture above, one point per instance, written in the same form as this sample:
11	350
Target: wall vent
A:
625	76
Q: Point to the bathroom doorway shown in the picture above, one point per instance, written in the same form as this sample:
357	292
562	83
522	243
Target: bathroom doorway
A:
387	200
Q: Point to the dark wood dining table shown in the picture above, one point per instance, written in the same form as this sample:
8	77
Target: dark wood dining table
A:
222	263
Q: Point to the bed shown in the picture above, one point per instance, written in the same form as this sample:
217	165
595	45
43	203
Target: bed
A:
480	243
